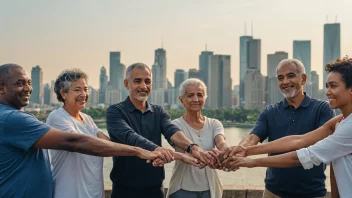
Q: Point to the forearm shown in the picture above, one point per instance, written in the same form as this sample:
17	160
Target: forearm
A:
180	140
279	161
101	135
220	143
334	189
250	140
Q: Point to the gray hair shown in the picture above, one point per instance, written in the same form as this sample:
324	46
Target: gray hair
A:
299	65
65	79
5	71
192	82
135	65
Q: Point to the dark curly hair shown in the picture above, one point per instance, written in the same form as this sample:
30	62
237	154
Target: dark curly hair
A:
65	79
342	66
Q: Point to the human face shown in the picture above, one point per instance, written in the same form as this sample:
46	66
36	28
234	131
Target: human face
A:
290	81
17	89
140	84
194	99
77	95
337	93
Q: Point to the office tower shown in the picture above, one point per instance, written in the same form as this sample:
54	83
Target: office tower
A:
272	91
220	82
204	64
254	54
117	71
312	86
302	52
273	60
53	96
254	90
235	96
179	77
37	84
331	46
93	96
193	73
103	83
243	64
159	69
47	94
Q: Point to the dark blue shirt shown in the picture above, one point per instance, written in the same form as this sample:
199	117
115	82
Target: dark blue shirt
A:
128	125
280	120
24	171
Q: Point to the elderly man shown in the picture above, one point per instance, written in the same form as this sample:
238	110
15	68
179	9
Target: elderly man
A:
24	162
297	114
138	123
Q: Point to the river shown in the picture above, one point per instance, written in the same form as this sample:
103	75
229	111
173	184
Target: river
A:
243	177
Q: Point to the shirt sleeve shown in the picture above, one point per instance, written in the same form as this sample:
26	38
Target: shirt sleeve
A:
167	127
326	114
22	130
217	127
261	126
58	121
121	132
334	146
92	124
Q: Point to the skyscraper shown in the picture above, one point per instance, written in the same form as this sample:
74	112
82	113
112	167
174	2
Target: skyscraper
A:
204	64
180	76
159	69
272	92
37	84
103	83
117	71
193	73
272	62
331	45
47	94
254	54
243	64
254	90
302	52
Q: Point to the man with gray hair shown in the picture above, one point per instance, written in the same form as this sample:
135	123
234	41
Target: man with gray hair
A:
138	123
295	115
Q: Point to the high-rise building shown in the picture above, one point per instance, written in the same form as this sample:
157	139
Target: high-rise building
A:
93	96
243	64
159	69
254	90
332	45
103	84
193	73
273	60
254	54
312	86
180	76
302	52
272	91
47	94
53	96
37	84
204	64
117	71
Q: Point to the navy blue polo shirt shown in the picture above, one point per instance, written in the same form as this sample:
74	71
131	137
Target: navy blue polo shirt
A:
128	125
280	120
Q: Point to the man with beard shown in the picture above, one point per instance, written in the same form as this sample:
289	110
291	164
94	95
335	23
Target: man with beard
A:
295	115
139	123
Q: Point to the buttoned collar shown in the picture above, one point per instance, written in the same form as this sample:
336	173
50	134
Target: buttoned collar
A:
305	102
130	106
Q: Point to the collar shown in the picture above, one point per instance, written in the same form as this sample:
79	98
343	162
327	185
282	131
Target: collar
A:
305	102
130	106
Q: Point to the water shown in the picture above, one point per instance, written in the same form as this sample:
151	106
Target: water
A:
253	177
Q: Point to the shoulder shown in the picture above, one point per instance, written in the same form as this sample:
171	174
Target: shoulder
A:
177	122
19	116
317	102
213	121
56	113
119	107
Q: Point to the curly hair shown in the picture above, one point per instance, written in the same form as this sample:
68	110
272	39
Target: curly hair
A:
65	79
342	66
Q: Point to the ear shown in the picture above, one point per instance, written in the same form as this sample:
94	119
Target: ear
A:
125	83
304	79
63	94
2	89
180	98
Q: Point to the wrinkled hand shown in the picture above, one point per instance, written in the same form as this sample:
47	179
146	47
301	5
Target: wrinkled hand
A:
238	151
189	159
202	155
233	163
149	155
217	156
167	153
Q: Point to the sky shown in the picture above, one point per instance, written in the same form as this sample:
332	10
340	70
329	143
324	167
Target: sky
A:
64	34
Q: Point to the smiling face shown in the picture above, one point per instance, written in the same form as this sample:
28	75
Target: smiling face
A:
290	81
77	95
139	84
339	96
17	89
194	98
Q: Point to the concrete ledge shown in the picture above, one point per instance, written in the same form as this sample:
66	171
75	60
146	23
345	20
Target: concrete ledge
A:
229	192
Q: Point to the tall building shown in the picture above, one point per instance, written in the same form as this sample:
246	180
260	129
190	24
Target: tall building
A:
332	45
302	52
117	71
47	94
204	64
93	96
220	82
254	90
53	96
180	76
159	69
243	64
37	84
103	84
254	54
272	91
312	86
193	73
273	60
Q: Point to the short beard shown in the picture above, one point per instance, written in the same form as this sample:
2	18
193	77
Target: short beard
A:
142	99
292	94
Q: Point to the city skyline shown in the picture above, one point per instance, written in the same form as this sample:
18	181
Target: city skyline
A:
60	35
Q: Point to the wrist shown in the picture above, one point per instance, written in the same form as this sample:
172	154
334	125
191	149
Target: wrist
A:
191	147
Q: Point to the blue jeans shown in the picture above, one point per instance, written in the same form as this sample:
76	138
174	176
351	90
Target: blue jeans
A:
190	194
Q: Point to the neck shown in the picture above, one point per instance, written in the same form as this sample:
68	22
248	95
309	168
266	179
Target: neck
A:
297	100
73	112
140	105
195	117
4	102
346	110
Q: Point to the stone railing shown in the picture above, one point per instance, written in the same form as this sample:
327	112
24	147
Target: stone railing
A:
229	192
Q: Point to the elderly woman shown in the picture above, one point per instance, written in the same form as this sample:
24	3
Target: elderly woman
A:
189	181
75	175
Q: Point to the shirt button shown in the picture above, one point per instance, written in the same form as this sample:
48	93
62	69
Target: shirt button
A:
293	120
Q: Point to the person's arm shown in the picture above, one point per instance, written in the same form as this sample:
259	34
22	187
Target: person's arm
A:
101	135
333	184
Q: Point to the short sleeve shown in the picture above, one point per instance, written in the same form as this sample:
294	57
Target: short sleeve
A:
22	130
261	126
217	127
58	121
92	124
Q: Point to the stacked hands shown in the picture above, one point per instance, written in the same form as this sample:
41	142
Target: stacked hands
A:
230	159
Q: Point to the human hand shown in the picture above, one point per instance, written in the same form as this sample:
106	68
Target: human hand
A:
238	151
217	156
233	163
189	159
202	155
167	153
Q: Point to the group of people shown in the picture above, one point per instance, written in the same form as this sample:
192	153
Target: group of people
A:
73	164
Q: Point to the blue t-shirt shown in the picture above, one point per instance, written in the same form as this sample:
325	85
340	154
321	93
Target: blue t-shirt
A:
280	120
24	171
